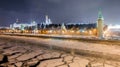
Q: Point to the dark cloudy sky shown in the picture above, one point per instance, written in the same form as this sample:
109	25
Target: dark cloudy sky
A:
60	11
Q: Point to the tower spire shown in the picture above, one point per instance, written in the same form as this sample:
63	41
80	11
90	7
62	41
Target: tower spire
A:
46	19
100	16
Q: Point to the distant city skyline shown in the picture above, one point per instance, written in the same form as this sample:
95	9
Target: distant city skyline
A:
59	11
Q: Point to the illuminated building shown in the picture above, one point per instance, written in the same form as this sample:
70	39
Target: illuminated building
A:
112	31
47	20
100	25
63	26
47	27
22	26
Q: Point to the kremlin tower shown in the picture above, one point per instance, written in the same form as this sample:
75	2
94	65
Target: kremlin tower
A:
100	25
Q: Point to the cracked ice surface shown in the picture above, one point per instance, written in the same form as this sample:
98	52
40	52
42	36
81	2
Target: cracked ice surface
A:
21	55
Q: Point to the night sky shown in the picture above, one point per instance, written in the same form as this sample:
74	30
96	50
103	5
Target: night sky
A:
60	11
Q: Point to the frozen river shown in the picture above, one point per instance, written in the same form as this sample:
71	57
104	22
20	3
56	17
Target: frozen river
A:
25	55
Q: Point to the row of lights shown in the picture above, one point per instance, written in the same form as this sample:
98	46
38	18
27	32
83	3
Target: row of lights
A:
84	32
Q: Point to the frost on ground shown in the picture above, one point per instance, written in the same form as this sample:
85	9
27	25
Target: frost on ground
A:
22	55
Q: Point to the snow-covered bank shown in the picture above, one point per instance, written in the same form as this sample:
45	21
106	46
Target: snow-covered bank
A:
89	39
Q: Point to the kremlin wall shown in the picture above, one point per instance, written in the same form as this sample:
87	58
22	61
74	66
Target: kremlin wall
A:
48	27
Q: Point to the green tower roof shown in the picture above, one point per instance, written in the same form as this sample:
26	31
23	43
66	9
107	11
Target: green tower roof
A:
100	16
